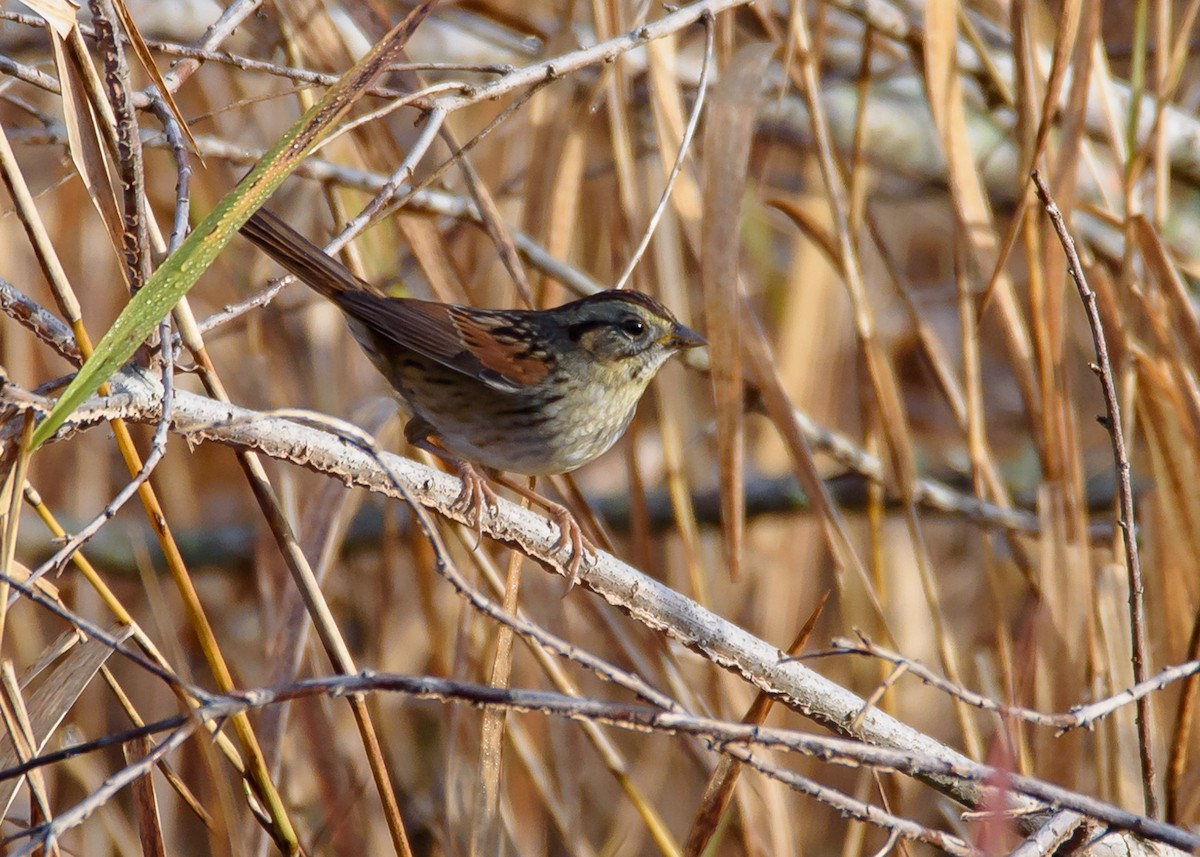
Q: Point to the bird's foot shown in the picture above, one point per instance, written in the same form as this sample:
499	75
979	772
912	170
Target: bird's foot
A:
475	494
570	537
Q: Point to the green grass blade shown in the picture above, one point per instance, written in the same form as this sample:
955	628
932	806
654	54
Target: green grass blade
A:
181	270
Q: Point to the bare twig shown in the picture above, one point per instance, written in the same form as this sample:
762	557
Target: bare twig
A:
129	145
183	172
684	145
602	52
724	736
218	32
1077	717
39	321
1112	422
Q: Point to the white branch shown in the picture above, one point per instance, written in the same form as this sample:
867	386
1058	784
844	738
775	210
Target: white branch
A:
136	396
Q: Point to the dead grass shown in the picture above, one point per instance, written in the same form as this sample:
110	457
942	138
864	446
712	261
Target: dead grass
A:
855	231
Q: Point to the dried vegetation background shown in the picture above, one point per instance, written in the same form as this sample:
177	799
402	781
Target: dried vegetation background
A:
896	413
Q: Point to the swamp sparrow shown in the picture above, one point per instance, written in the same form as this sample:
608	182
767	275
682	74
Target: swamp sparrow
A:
534	392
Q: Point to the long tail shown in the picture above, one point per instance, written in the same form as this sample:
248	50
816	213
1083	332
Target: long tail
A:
301	257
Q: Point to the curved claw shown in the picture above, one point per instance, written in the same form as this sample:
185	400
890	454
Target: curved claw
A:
570	536
471	499
475	487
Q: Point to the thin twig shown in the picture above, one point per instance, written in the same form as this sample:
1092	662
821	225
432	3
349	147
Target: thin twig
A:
217	32
39	321
183	171
684	145
725	736
134	236
1112	421
1077	717
396	181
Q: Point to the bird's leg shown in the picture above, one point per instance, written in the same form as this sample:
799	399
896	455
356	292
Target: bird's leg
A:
475	488
476	491
570	535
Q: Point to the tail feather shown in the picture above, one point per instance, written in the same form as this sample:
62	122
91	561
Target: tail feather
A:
299	256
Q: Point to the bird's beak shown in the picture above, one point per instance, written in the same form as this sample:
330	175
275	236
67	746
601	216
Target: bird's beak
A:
682	337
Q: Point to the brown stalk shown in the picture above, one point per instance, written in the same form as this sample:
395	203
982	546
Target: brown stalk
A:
145	805
605	748
727	139
671	274
130	167
719	790
486	828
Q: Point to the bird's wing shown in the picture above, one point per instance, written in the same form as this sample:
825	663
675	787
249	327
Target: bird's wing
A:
482	344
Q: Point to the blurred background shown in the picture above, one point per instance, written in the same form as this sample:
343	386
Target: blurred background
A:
920	319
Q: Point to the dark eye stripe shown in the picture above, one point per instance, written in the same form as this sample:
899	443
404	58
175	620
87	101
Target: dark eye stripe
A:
577	330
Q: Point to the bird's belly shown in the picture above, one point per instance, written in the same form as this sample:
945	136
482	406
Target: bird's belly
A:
535	433
527	436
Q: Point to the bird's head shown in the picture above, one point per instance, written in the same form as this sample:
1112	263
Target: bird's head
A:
625	333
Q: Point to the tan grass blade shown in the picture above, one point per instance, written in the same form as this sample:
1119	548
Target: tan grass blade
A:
727	137
486	828
85	138
428	248
142	51
1158	257
145	804
553	189
967	189
49	704
1064	45
59	14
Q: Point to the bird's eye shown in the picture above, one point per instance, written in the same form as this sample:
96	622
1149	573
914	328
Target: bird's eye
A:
633	327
